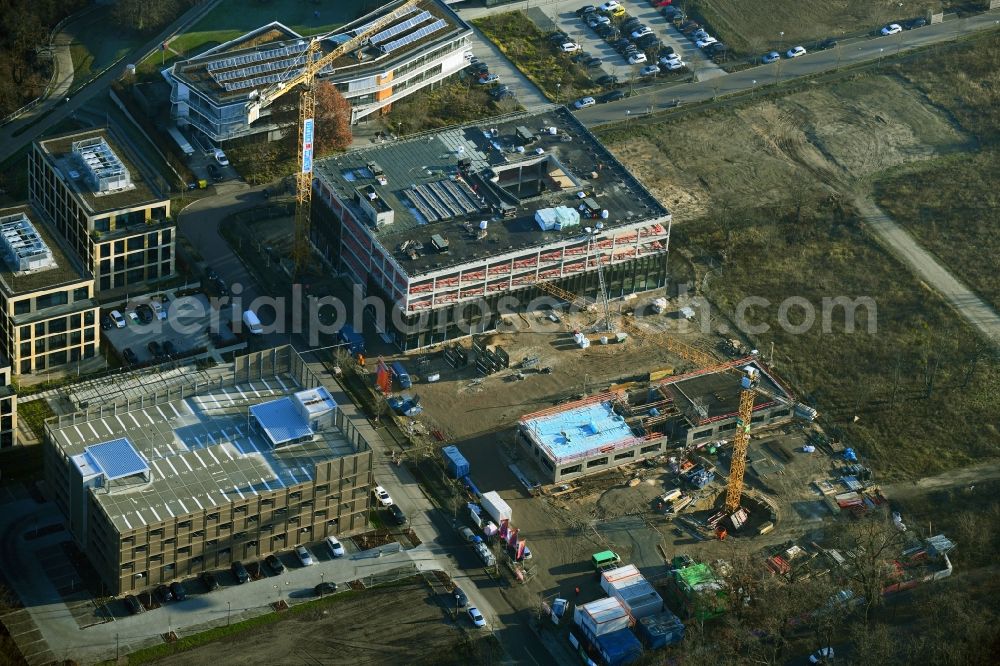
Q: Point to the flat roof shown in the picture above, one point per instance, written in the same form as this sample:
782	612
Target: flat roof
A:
714	395
229	72
581	430
571	162
59	151
200	453
65	270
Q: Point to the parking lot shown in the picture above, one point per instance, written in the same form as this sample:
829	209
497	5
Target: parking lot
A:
203	162
191	324
563	16
527	93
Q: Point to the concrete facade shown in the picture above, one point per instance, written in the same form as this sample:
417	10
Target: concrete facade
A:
213	492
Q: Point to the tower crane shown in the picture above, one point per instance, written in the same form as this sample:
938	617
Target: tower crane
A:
304	76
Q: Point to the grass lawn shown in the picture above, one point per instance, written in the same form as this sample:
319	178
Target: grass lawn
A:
951	204
452	104
34	414
749	27
98	42
526	46
232	18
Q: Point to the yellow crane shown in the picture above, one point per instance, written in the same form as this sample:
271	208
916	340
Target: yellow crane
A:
304	76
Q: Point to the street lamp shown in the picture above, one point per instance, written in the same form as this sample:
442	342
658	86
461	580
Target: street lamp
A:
558	91
628	113
781	40
229	612
880	51
322	579
753	92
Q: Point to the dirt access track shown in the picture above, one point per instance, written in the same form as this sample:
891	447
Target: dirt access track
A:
396	624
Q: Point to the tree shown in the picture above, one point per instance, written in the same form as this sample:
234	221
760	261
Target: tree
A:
333	120
874	544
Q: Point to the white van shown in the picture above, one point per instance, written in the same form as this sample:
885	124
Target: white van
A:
252	323
336	548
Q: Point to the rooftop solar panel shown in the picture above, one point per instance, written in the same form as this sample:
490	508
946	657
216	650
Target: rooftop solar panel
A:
414	36
394	30
367	26
281	421
117	459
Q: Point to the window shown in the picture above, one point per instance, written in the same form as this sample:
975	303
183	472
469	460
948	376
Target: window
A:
135	243
623	456
22	307
650	449
213	516
119	246
80	294
598	462
572	469
183	524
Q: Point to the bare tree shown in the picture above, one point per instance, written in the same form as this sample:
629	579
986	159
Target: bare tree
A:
873	543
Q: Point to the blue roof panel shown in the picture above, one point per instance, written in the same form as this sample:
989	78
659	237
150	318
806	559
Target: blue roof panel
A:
117	459
281	421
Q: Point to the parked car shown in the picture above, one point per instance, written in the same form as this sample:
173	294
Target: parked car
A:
467	534
397	514
461	599
178	591
586	9
477	68
584	102
718	48
145	313
772	56
169	349
631	24
209	580
796	51
707	41
612	96
675	65
163	594
382	495
642	31
649	42
129	356
133	605
700	33
214	172
915	23
558	38
155	349
336	548
649	70
891	29
476	617
240	572
488	79
595	20
605	31
828	44
117	318
637	58
220	157
666	51
620	45
593	62
610	6
276	565
325	588
305	557
569	47
608	80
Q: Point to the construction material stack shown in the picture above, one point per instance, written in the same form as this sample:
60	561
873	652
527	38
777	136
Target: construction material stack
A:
660	630
455	462
601	617
695	591
634	592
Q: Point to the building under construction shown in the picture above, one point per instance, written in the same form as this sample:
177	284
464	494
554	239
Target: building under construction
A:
633	423
442	226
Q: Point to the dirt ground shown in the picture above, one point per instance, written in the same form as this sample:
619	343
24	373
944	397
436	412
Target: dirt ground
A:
342	633
744	26
840	135
463	403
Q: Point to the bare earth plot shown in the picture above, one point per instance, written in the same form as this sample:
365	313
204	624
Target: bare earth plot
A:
760	197
752	27
380	626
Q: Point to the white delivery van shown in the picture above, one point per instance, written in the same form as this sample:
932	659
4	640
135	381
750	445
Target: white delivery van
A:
252	323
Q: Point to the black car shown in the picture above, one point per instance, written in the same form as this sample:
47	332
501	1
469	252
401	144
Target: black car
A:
620	45
579	57
665	51
558	38
129	356
612	96
163	594
715	49
325	588
176	589
106	323
209	580
145	312
604	31
461	599
586	9
649	42
397	514
631	24
500	90
828	44
155	349
240	572
915	23
593	62
169	349
256	570
477	68
133	605
276	566
608	80
214	172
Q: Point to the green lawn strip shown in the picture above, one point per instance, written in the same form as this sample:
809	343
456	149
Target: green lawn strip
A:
527	47
454	103
34	414
98	41
909	397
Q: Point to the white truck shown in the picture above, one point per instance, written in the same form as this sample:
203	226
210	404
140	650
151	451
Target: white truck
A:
252	322
494	505
485	555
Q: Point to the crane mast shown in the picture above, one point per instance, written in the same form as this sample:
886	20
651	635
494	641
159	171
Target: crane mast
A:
307	117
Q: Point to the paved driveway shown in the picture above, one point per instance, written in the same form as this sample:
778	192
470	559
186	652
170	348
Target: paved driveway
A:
528	94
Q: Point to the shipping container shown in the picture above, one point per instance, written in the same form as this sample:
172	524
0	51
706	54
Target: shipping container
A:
401	375
601	617
610	578
354	340
455	462
660	630
640	599
618	648
495	506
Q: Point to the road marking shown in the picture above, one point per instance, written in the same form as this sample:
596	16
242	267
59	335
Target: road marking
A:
213	456
198	503
153	511
183	507
199	458
237	490
187	464
176	473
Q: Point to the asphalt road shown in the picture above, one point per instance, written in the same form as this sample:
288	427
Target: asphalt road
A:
846	53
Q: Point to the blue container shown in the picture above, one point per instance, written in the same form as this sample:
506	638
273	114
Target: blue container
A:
402	376
456	463
618	648
354	340
660	630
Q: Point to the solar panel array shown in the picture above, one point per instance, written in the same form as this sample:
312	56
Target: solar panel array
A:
257	56
267	67
258	81
414	36
118	458
367	26
394	30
